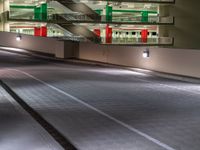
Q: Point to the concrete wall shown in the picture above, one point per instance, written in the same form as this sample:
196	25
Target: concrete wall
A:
71	49
177	61
38	44
60	49
187	23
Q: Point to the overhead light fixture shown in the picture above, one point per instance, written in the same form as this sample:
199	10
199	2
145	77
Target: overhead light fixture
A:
146	53
18	37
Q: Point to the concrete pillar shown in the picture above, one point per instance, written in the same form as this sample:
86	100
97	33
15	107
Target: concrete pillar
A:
163	31
60	49
4	6
1	11
67	49
164	11
1	6
6	27
1	26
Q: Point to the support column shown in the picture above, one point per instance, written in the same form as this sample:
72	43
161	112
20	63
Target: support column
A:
40	13
108	34
40	31
36	31
163	31
37	13
145	16
43	11
43	31
5	6
144	35
97	32
108	13
1	6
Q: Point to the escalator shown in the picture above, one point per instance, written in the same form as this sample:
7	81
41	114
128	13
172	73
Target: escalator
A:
80	7
77	29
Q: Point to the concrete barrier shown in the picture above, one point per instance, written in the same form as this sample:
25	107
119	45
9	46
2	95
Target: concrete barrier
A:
60	49
184	62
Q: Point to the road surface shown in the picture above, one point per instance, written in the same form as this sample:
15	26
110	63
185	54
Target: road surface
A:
104	108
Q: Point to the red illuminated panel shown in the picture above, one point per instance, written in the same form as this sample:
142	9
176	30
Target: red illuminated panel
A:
144	35
36	31
97	32
43	31
108	35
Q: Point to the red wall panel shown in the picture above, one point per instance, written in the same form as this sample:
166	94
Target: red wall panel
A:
97	32
144	35
43	31
36	31
108	35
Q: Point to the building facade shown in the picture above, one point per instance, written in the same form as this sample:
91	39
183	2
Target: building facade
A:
124	22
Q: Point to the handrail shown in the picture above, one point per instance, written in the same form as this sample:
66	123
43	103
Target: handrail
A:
115	19
140	41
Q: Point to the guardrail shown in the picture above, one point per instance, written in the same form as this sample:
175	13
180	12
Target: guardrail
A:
139	41
70	38
142	1
115	19
87	18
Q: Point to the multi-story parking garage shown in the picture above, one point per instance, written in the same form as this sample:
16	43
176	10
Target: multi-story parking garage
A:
103	22
99	75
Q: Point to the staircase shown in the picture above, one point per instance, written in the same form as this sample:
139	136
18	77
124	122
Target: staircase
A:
77	29
80	7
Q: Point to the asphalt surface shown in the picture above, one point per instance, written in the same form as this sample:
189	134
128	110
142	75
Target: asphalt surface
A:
102	108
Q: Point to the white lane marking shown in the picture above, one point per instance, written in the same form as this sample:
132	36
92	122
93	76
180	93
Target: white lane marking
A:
161	144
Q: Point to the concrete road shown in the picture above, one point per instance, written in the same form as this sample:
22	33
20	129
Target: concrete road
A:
18	131
102	108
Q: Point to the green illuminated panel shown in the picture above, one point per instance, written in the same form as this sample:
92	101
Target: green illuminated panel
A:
109	11
145	16
40	13
43	11
22	7
37	13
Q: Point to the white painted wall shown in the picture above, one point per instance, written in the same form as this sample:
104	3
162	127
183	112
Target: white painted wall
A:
177	61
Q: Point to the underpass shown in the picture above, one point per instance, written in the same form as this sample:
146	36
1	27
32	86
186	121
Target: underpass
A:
96	107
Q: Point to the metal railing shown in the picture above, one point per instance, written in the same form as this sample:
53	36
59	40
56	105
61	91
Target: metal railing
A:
140	19
140	1
115	19
87	18
71	38
139	41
